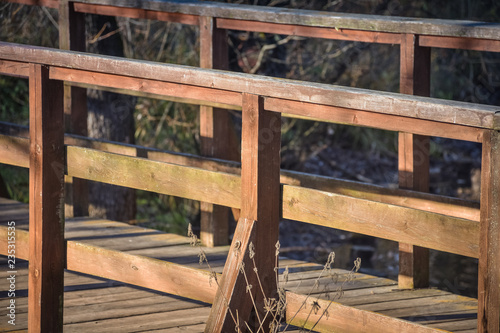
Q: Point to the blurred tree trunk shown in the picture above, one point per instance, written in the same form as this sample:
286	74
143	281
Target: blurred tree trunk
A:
110	117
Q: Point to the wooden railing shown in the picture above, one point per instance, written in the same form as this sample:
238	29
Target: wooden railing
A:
415	118
260	194
416	37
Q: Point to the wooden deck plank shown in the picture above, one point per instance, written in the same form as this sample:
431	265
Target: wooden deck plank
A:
110	306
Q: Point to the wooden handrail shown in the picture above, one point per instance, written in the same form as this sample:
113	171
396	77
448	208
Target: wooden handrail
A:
308	18
82	67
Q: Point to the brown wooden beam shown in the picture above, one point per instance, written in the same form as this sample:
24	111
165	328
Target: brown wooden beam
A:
146	85
308	31
414	157
477	44
138	270
72	37
371	218
46	202
215	131
14	68
488	316
260	214
15	151
137	13
143	174
354	117
453	112
303	311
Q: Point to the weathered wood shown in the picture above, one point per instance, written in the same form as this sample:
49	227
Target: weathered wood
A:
430	307
14	68
427	202
371	218
14	151
295	109
129	268
215	127
413	154
149	86
142	271
452	112
394	24
72	37
46	197
161	97
139	173
489	243
476	44
137	13
341	318
260	213
309	31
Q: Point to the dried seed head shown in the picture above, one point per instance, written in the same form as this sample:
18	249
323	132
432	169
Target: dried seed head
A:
251	250
285	274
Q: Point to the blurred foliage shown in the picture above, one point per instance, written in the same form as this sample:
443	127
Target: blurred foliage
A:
14	107
456	74
16	180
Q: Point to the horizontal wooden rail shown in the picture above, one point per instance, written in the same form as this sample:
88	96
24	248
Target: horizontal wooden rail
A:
344	319
392	24
480	36
14	151
143	174
451	112
339	211
308	31
376	219
138	270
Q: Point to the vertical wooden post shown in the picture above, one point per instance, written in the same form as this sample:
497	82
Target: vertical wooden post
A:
216	131
46	203
414	157
488	316
72	37
259	221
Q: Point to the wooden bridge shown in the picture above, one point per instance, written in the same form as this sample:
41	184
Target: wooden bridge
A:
256	189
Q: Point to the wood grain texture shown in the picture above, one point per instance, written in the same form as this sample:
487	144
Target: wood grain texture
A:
141	271
385	103
341	318
46	198
159	177
477	44
72	37
308	31
215	131
413	156
340	115
316	18
137	13
259	222
14	151
489	243
371	218
134	269
14	68
147	86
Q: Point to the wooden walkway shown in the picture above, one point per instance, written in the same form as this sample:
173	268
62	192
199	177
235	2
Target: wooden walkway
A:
92	304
